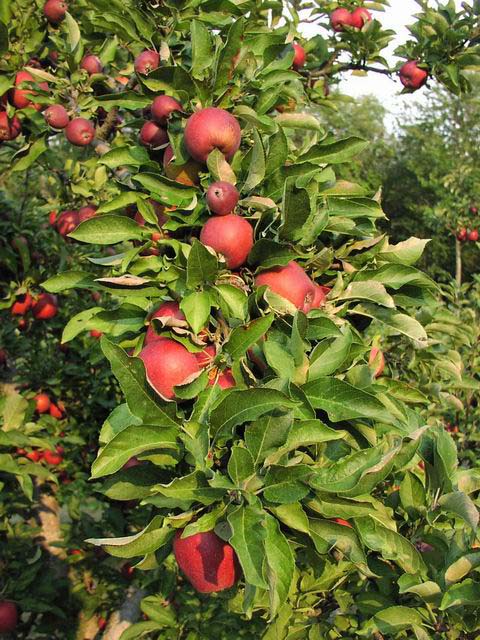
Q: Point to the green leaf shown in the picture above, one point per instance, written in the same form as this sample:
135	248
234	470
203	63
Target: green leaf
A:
248	539
14	407
183	491
337	152
234	299
368	290
201	265
165	191
228	52
280	564
73	31
265	435
242	338
343	538
202	50
107	229
140	629
461	505
412	494
327	357
305	434
196	307
286	485
467	593
34	152
69	280
130	442
79	323
141	399
256	170
296	210
245	405
125	156
399	322
240	466
462	567
151	538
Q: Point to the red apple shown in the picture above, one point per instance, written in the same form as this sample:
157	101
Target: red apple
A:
360	17
55	412
146	62
186	174
210	129
56	116
8	616
207	356
10	128
162	107
473	235
67	221
34	456
290	282
377	357
300	56
321	294
42	403
53	458
132	462
167	310
52	217
45	307
91	64
21	98
22	304
86	212
473	210
209	563
80	132
153	136
341	18
95	333
412	76
230	236
167	364
55	10
222	198
343	522
462	235
225	380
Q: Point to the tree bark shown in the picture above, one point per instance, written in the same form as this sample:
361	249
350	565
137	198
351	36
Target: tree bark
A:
458	262
128	613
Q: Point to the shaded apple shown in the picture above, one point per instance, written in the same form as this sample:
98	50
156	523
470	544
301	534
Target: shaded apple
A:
300	56
22	98
230	236
146	62
209	129
67	222
152	135
162	107
55	411
8	616
208	562
377	358
80	132
168	363
10	128
412	76
222	198
45	307
56	116
462	235
52	457
91	64
186	174
22	304
473	235
86	212
169	311
290	282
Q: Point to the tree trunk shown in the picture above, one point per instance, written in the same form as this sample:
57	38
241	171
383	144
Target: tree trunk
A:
128	613
458	262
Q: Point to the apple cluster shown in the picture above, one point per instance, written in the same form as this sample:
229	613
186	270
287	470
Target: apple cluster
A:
43	307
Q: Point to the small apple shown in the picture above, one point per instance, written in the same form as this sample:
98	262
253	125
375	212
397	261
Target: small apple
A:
162	107
146	62
300	56
473	210
56	116
153	136
34	456
21	98
91	64
231	236
462	235
209	129
55	10
95	333
86	212
8	616
52	217
167	364
360	17
53	458
45	307
10	128
42	403
127	571
290	282
67	221
343	522
22	304
55	412
473	235
340	18
208	562
132	462
222	198
412	76
80	132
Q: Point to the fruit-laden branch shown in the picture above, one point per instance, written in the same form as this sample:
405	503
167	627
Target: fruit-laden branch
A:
128	613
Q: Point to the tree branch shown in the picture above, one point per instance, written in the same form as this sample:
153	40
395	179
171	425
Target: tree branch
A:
128	613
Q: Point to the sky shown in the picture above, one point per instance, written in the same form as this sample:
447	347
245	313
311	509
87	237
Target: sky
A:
396	17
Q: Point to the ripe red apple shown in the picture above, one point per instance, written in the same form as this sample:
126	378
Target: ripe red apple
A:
22	98
341	18
372	359
300	56
34	456
222	198
102	623
91	64
52	457
22	324
45	307
42	403
80	132
162	107
86	212
52	217
411	76
167	364
153	136
67	221
146	62
56	116
8	616
360	17
231	236
10	128
343	522
165	310
55	10
95	333
473	210
225	380
473	235
210	129
320	296
127	571
462	235
186	174
291	282
207	356
22	304
209	563
55	412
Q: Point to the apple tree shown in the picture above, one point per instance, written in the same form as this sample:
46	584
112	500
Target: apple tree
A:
271	447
